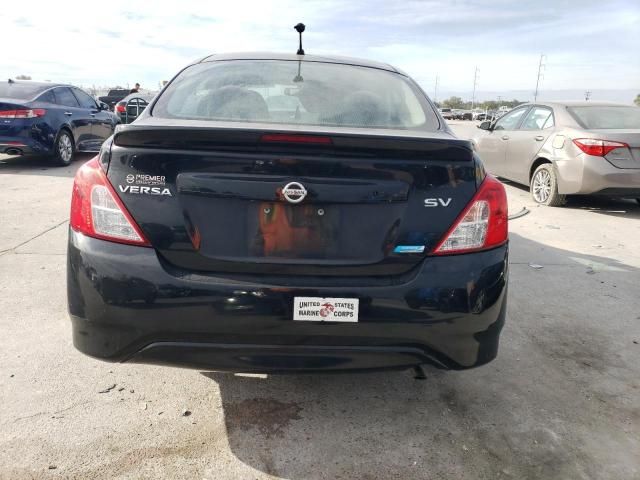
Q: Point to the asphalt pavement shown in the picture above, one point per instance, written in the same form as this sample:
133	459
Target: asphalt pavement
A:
561	401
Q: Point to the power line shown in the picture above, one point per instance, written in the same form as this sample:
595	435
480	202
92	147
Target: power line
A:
540	75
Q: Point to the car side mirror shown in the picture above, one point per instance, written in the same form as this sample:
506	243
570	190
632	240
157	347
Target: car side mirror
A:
485	125
103	106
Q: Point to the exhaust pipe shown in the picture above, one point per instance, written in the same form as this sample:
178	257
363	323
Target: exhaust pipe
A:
13	151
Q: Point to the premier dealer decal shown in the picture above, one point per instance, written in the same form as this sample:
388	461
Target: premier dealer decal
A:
145	185
325	309
143	179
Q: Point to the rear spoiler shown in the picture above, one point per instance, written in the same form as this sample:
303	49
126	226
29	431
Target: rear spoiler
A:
439	147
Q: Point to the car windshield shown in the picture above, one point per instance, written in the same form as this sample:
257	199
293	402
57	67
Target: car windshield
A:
300	93
20	91
606	117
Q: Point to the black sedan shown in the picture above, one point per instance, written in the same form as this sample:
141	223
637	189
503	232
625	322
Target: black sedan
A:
346	229
51	119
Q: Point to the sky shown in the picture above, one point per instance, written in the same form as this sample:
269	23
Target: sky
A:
588	45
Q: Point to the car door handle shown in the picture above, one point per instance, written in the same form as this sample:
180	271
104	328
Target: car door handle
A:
539	138
92	114
68	114
505	137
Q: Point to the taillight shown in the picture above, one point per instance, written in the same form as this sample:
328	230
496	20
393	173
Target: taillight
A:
295	138
482	225
23	113
97	211
120	108
597	148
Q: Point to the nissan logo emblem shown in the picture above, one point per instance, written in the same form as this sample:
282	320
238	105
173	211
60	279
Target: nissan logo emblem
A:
294	192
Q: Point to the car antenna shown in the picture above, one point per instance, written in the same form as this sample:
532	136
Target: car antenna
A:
300	28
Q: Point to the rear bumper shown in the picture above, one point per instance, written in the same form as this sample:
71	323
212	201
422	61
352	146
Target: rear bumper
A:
587	174
19	147
30	136
126	306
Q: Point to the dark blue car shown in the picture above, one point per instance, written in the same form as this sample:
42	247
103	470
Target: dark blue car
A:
51	119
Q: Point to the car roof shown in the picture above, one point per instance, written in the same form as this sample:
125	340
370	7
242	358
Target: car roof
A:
304	58
142	95
580	104
26	90
42	85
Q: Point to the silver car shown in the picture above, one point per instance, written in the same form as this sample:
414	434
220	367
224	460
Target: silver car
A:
569	148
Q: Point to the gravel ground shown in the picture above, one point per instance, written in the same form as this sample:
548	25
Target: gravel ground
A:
562	401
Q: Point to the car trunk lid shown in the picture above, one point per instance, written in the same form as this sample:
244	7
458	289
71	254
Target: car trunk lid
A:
622	157
215	199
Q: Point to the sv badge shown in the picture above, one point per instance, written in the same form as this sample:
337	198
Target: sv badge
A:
437	202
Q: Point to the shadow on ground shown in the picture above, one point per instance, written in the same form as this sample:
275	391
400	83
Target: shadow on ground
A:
618	207
561	401
40	165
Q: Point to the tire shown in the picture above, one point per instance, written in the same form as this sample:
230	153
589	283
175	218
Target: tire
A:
64	149
544	187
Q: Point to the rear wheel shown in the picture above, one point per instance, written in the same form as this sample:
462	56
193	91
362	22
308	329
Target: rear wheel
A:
64	148
544	187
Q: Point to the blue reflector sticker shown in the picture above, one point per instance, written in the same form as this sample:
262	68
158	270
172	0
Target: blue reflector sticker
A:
409	249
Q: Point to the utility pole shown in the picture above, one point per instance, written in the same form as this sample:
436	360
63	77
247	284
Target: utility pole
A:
587	95
435	90
540	75
475	83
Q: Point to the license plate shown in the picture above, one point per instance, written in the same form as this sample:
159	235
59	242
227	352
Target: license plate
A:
318	309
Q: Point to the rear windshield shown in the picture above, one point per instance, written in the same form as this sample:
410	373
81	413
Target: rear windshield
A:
600	117
300	93
20	91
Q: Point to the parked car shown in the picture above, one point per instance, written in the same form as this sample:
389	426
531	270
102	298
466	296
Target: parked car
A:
131	106
51	119
561	149
462	115
114	96
477	111
347	229
490	115
446	113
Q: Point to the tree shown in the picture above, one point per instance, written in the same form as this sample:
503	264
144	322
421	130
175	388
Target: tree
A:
23	77
637	100
489	105
453	102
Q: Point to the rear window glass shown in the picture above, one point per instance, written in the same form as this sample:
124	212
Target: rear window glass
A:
601	117
21	91
300	93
